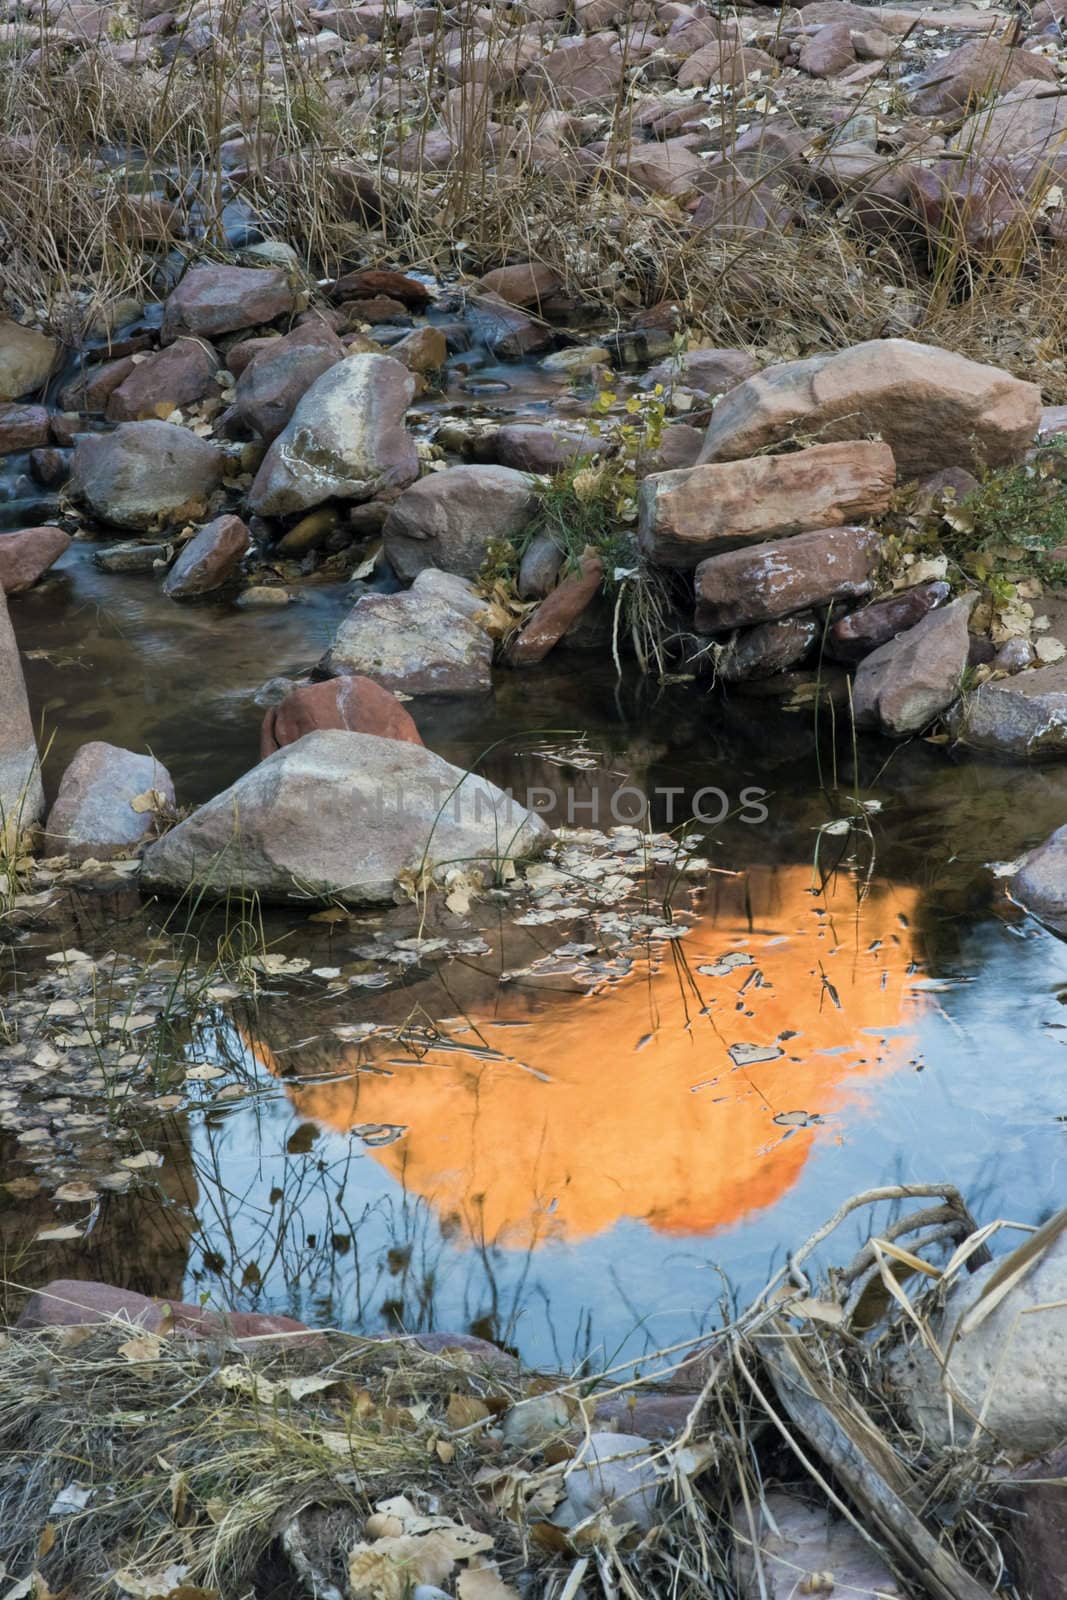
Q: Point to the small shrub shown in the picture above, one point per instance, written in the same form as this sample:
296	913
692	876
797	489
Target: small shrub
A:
1015	522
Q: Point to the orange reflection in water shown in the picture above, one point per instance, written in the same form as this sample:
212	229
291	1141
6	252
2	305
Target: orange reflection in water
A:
627	1103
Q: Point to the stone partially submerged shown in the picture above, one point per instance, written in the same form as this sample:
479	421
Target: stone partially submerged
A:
908	681
145	475
1023	718
107	803
21	794
342	816
428	640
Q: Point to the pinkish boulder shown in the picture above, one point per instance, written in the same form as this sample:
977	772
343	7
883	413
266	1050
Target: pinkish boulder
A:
178	375
356	704
145	475
26	555
450	519
903	685
280	373
99	812
975	72
558	611
218	299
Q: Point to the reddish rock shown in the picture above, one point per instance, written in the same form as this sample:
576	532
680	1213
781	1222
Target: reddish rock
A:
209	559
26	360
240	355
855	636
545	627
506	330
178	375
533	447
1036	1497
50	467
378	309
279	374
423	350
22	428
828	51
450	519
723	62
91	389
94	814
1028	122
214	300
911	679
686	515
975	72
25	555
370	282
355	705
68	1303
708	371
773	580
578	72
652	1416
768	648
525	285
679	447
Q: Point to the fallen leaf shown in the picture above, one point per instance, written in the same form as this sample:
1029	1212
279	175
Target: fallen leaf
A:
464	1410
143	1158
71	1231
484	1583
145	1347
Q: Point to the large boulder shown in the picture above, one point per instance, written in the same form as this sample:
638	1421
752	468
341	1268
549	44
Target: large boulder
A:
209	559
907	682
1040	881
933	408
1029	124
341	816
354	705
280	373
218	299
771	580
1023	718
686	515
449	519
428	640
21	794
178	375
107	803
26	360
25	556
1005	1373
346	440
974	72
145	475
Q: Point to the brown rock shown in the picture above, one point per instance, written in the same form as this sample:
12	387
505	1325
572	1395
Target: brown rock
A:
208	559
975	72
580	72
50	467
25	555
525	285
214	300
686	515
773	580
355	704
768	648
21	795
423	350
22	428
26	360
377	310
280	373
933	408
91	389
679	446
724	62
506	330
828	51
1027	122
449	519
178	375
855	636
545	627
707	371
239	355
1037	1500
69	1303
370	282
908	681
652	1416
533	447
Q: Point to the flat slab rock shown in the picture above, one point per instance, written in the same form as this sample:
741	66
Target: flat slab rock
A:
341	816
772	580
1022	718
908	681
427	640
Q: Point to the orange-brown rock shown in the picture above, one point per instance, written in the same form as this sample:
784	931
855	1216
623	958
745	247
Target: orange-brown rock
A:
545	627
355	705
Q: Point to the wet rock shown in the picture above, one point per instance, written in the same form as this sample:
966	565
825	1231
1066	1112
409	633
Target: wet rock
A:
26	555
22	428
615	1473
1022	718
211	557
280	373
178	375
539	567
427	640
370	282
132	557
852	637
70	1303
423	350
684	516
904	684
346	440
974	72
262	597
355	705
449	519
505	330
769	648
50	467
524	285
933	408
798	1543
772	580
310	533
1040	884
1010	1370
89	393
557	613
21	795
341	816
26	360
707	371
219	299
146	474
94	813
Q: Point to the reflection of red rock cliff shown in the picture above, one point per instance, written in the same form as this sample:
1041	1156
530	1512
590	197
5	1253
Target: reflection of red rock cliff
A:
627	1103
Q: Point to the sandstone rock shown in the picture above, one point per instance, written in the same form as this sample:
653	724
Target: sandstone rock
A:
341	816
1027	122
531	447
71	1303
209	559
22	428
505	330
1022	718
770	648
21	795
525	285
132	556
539	567
1040	883
355	705
426	641
655	1416
1010	1370
1014	655
93	815
797	1543
93	387
707	371
423	350
904	684
578	72
679	448
280	373
217	299
687	515
449	519
776	579
178	375
934	409
545	627
828	51
854	636
145	474
974	72
369	282
615	1473
724	61
346	440
26	360
26	555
